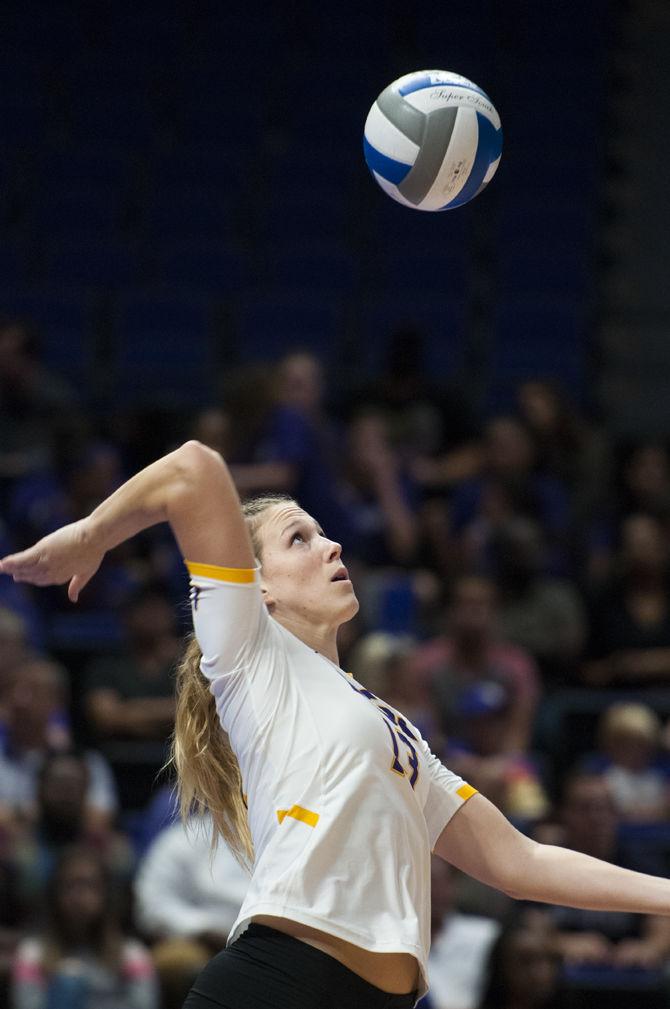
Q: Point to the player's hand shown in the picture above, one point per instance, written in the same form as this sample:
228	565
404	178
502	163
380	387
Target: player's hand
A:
68	555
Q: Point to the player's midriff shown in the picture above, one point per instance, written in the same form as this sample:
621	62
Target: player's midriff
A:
395	973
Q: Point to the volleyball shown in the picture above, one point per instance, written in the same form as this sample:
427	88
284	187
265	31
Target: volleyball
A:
433	140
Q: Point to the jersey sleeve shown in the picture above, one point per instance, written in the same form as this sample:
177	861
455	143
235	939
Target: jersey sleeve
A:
446	793
230	619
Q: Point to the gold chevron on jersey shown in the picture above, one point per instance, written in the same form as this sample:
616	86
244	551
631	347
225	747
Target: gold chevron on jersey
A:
299	813
241	576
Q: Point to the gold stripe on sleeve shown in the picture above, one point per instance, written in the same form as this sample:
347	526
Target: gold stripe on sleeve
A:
242	576
298	813
465	791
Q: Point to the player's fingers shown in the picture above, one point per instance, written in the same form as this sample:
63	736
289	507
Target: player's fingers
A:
19	563
77	583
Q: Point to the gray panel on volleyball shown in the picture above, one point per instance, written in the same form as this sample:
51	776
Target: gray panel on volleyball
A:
439	127
405	117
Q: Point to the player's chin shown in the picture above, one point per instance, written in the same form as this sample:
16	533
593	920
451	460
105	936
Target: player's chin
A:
350	608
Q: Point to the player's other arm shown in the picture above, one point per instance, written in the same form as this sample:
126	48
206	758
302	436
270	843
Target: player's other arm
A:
190	488
480	841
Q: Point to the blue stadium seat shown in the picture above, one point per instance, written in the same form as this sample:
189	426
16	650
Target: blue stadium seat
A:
534	215
316	265
94	210
163	352
269	323
223	166
310	212
22	120
64	322
208	266
18	263
102	115
94	262
389	225
439	318
543	266
98	165
538	338
443	271
223	114
180	213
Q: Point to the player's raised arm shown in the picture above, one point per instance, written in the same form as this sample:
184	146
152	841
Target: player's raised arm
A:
480	841
190	488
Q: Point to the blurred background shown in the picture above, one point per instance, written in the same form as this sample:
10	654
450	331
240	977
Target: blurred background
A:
474	403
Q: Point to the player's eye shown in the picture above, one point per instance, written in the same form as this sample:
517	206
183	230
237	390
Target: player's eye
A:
297	536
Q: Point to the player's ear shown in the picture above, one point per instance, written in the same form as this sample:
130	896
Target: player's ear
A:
267	597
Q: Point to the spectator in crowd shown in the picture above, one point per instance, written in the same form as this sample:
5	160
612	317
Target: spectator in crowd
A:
509	486
129	696
632	763
472	649
630	618
180	892
646	476
13	645
459	945
47	500
82	958
178	963
384	664
643	489
38	411
523	970
432	426
294	446
60	823
510	780
541	613
213	427
589	823
17	601
566	445
380	498
35	706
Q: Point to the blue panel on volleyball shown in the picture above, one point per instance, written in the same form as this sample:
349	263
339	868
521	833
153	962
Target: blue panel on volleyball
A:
489	150
389	169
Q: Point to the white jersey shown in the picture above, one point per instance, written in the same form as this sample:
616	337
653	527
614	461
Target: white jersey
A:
345	799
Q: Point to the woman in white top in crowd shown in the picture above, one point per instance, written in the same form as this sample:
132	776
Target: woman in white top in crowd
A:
329	795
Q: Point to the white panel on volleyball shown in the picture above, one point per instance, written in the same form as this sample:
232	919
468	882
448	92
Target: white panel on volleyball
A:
387	138
443	96
392	190
455	169
491	171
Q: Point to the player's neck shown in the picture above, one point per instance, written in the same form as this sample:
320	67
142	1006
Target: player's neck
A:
322	639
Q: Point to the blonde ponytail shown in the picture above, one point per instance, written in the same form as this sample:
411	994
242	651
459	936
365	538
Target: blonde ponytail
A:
208	774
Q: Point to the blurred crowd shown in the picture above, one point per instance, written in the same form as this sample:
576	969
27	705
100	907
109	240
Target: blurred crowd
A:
513	576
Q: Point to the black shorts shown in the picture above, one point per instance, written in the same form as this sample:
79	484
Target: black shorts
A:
268	969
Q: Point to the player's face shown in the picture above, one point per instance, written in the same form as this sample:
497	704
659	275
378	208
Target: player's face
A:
302	570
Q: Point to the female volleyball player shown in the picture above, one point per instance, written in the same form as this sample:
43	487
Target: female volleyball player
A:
332	795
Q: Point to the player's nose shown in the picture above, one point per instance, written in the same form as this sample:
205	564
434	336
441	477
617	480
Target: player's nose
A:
333	551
